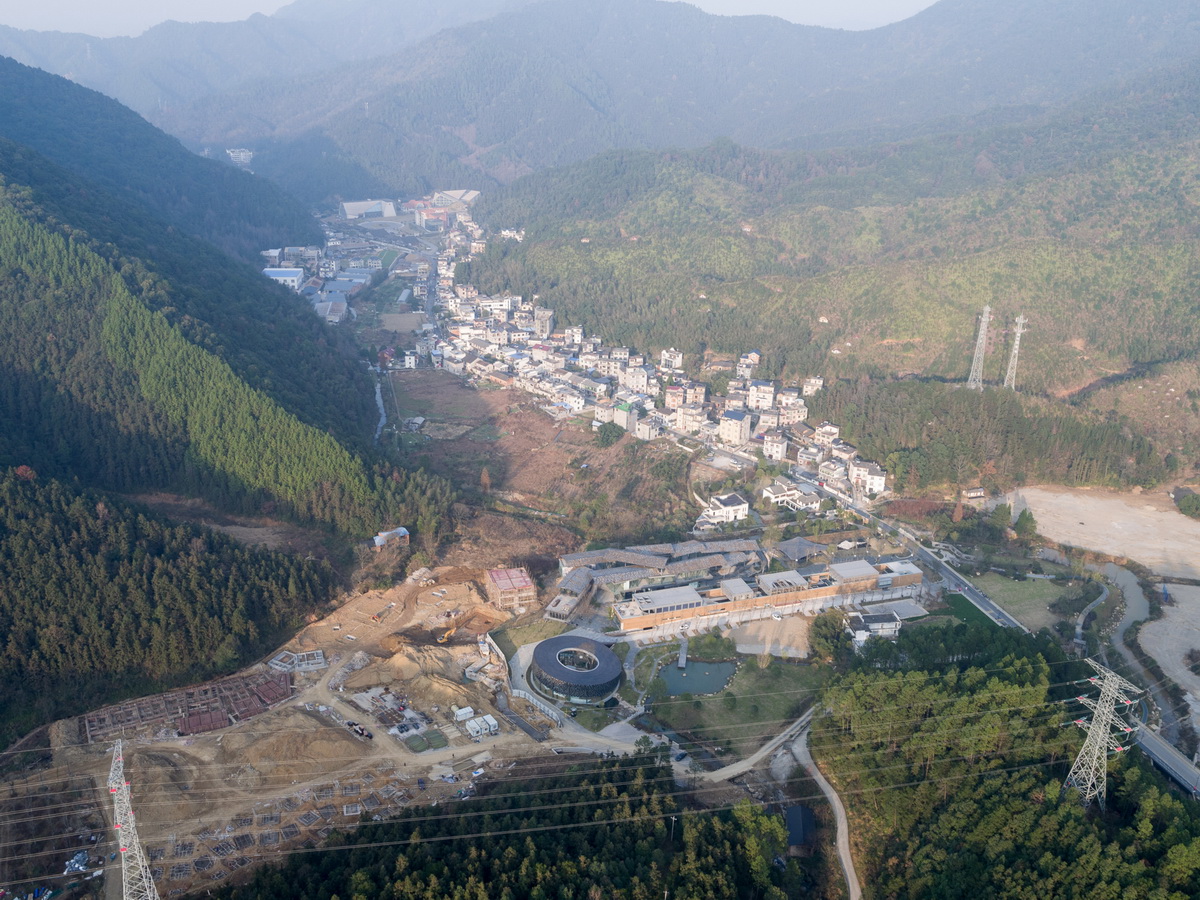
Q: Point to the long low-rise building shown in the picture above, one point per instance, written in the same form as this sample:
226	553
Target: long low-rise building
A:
614	573
806	592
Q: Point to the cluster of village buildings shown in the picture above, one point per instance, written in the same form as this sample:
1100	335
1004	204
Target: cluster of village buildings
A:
512	341
330	276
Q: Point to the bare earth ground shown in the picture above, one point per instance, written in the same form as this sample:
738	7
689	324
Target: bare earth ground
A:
272	533
786	638
1145	528
1170	638
534	461
256	779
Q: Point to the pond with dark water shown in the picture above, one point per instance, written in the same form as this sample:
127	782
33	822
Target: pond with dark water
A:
696	677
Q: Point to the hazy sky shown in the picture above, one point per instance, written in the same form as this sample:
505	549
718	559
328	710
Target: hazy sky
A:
135	16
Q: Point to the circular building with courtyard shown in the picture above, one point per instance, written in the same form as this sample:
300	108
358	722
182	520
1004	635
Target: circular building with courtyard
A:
575	668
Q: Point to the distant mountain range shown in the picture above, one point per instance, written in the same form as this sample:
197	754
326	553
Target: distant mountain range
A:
175	62
557	82
368	97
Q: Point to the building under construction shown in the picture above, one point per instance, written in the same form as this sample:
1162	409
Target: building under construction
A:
510	588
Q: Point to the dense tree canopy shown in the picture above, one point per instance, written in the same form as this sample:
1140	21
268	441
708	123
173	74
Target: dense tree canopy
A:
99	601
950	750
598	831
119	378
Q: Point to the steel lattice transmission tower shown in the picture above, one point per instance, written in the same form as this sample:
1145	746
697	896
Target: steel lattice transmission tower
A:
1010	378
135	873
975	382
1104	733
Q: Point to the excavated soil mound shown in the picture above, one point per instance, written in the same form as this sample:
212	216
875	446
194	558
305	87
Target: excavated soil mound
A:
300	746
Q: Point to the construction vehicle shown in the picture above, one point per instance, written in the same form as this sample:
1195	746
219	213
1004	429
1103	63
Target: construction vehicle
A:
378	617
445	637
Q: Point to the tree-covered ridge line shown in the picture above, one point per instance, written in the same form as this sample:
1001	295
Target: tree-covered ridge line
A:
265	332
951	742
117	150
82	349
600	830
100	601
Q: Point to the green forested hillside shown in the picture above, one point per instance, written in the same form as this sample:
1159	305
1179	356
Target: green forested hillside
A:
600	832
897	249
930	433
100	602
116	150
952	741
557	82
117	377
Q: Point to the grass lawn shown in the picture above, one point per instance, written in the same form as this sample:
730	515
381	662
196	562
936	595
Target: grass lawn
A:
509	637
387	257
966	611
751	709
594	719
1027	600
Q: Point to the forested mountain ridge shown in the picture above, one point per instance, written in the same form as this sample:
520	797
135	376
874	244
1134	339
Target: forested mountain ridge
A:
176	62
111	379
116	150
597	830
558	82
264	332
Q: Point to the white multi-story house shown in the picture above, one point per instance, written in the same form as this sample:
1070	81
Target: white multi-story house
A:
734	427
812	385
843	450
867	476
690	417
671	359
825	434
775	445
761	395
726	508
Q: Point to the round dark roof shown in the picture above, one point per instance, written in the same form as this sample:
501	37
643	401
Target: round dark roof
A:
545	658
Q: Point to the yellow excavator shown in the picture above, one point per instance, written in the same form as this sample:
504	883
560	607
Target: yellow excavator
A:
445	637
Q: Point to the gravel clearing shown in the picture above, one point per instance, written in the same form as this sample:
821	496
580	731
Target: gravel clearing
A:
1145	528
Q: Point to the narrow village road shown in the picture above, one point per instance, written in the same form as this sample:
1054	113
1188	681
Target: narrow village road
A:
800	751
742	766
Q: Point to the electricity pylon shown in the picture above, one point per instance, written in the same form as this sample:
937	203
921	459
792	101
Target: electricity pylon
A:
135	873
975	382
1089	773
1010	379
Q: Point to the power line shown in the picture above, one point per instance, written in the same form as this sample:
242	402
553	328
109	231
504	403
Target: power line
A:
614	821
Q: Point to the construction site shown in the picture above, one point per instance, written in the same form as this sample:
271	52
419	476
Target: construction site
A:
392	699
